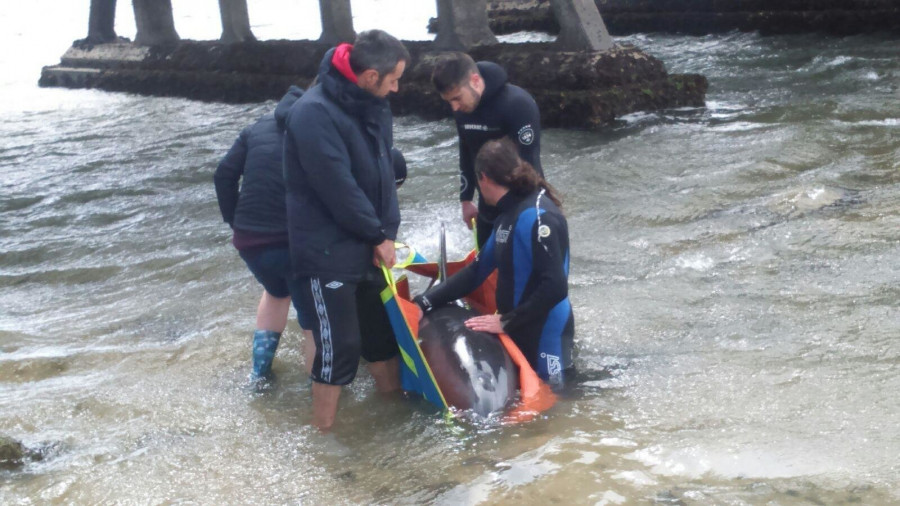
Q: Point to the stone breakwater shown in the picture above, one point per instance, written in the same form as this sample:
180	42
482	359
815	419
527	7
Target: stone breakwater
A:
583	90
701	17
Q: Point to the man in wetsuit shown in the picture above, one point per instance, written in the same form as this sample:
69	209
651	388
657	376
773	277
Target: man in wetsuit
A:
485	106
529	247
343	214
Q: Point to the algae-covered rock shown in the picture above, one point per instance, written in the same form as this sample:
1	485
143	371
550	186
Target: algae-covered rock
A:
12	453
700	17
573	89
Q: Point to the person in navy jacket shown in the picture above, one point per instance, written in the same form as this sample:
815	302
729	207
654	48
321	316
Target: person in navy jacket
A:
485	107
529	247
250	190
343	214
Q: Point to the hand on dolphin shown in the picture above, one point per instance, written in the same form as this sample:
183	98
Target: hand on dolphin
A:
486	323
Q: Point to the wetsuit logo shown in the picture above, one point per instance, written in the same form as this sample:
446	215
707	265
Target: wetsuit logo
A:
334	285
503	235
526	135
544	231
554	369
463	183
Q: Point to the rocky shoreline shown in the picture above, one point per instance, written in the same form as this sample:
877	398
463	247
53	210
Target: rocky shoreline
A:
583	90
701	17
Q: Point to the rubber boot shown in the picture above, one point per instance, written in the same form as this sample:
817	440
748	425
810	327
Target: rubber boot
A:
265	342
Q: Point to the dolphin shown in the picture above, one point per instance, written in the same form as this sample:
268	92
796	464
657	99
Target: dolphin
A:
472	369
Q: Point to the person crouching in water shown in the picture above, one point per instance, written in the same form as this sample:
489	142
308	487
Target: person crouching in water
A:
529	247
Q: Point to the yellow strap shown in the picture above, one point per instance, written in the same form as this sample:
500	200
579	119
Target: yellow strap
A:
389	277
406	262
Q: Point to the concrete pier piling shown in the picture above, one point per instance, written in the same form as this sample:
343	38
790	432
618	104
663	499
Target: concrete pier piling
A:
583	80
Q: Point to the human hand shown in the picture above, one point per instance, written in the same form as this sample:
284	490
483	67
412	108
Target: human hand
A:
487	323
469	212
384	254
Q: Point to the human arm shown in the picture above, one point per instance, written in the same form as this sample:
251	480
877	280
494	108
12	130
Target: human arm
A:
469	212
228	175
462	283
467	181
384	254
523	126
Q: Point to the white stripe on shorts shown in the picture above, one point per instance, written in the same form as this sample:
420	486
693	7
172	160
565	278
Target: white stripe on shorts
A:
324	329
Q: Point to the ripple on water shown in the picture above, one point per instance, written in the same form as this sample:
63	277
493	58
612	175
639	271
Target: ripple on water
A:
65	276
94	194
17	203
29	370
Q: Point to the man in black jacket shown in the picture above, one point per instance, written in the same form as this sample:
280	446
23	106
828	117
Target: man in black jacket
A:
485	107
250	191
343	214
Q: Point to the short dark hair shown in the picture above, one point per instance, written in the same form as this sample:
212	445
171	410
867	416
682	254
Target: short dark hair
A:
451	70
377	50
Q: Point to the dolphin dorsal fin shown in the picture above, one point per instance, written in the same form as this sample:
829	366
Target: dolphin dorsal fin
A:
442	259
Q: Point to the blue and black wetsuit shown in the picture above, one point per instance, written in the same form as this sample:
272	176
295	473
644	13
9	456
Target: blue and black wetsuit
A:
529	247
505	110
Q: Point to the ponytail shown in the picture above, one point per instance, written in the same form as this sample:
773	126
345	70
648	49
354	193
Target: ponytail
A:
499	160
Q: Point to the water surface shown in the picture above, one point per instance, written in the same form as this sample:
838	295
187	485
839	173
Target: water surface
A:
734	279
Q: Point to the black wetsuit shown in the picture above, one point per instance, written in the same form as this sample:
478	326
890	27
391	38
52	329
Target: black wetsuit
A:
529	247
504	110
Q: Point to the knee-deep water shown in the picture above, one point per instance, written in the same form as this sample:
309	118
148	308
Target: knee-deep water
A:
734	277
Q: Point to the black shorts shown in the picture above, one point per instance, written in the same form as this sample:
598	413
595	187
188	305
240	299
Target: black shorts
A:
272	268
348	321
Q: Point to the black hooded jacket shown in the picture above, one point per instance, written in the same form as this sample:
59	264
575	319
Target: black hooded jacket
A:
341	196
256	204
504	110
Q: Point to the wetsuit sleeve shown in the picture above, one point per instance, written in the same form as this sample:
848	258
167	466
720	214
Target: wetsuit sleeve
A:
523	126
549	265
228	175
462	283
466	170
326	163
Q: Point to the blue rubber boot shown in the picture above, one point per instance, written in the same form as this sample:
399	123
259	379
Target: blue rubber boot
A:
265	342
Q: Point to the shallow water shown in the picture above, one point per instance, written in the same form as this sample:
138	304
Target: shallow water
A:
734	279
